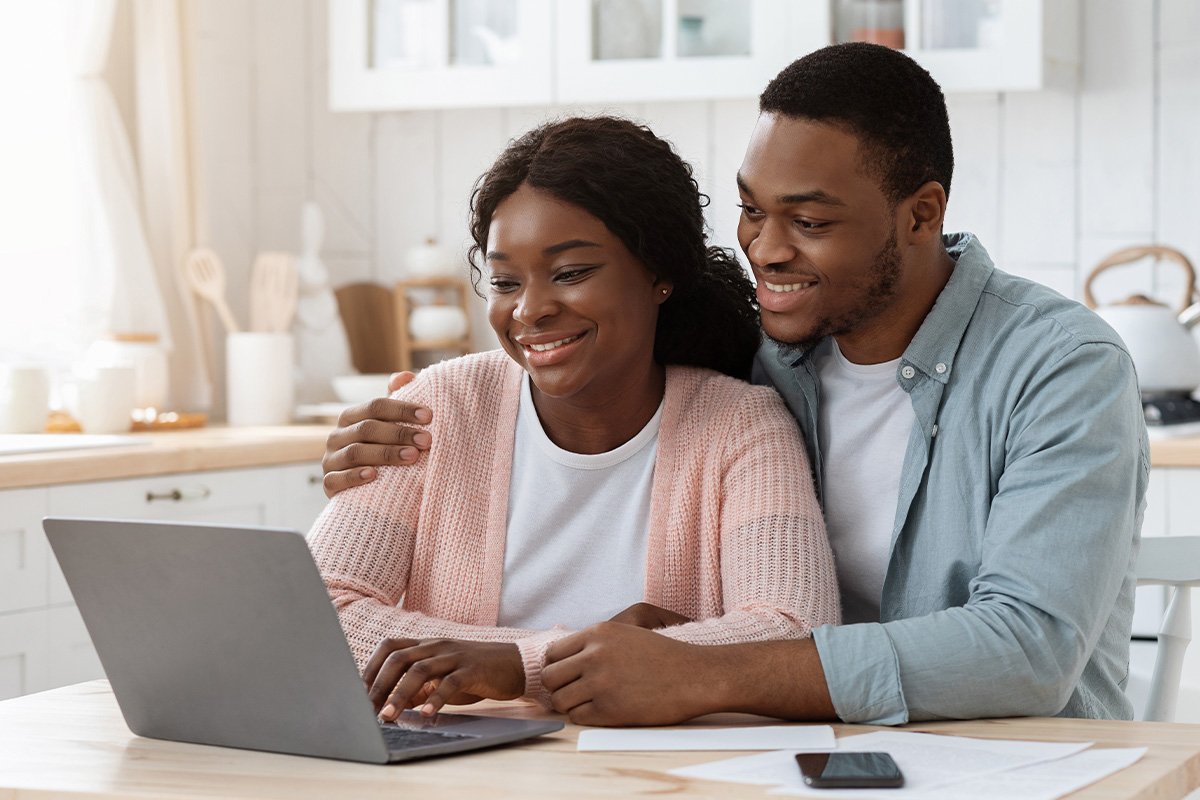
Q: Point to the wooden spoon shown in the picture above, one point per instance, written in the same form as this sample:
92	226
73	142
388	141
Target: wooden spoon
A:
205	273
274	286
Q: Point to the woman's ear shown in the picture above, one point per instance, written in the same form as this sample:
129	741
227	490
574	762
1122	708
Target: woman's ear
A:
662	290
925	211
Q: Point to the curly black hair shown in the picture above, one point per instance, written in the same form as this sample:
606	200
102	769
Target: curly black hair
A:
634	182
881	96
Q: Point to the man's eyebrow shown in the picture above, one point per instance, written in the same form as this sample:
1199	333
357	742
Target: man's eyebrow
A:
815	196
552	250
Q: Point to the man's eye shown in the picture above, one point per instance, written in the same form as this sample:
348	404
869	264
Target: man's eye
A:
809	225
749	210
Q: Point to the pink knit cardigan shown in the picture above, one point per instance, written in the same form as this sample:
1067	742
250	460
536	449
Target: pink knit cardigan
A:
736	538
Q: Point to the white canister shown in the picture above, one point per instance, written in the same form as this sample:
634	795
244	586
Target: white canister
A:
428	260
437	323
24	398
143	352
258	378
101	399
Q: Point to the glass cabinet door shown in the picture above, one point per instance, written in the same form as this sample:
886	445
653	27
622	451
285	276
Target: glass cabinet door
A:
633	50
439	53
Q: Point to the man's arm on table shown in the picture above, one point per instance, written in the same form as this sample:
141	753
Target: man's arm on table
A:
613	674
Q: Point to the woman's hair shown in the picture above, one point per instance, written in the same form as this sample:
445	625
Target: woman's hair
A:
635	183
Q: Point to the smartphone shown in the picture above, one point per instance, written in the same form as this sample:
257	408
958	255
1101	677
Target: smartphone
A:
849	770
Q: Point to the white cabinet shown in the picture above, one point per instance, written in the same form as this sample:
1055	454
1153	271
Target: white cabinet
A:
995	45
396	54
638	50
43	641
439	53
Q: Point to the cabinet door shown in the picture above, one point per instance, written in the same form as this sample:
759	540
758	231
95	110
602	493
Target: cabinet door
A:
245	497
389	54
23	652
301	496
71	656
1010	45
635	50
24	553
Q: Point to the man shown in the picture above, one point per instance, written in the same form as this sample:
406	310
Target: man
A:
977	441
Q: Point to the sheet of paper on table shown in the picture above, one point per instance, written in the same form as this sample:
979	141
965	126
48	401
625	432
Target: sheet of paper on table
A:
937	766
768	737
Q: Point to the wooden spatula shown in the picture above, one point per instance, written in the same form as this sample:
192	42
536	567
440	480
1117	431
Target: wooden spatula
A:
273	290
205	274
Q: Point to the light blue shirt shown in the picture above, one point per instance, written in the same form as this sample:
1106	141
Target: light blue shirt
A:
1009	586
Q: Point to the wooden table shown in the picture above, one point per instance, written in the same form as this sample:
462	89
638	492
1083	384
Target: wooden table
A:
73	742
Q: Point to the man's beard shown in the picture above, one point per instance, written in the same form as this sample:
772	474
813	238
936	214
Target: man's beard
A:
885	274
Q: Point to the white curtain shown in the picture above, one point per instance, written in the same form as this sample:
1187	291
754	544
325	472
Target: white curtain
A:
170	185
121	286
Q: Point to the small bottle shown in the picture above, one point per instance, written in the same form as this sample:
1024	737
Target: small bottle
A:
873	21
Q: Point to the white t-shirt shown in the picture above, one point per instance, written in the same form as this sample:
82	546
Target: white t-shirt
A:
578	526
864	422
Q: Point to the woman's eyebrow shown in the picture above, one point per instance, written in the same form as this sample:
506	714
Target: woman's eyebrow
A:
554	249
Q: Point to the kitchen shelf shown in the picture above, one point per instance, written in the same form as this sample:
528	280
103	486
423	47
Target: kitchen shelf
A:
445	291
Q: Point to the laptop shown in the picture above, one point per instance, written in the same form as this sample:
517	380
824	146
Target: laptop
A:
226	636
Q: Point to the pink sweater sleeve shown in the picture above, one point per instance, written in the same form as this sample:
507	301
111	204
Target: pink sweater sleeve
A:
363	543
777	573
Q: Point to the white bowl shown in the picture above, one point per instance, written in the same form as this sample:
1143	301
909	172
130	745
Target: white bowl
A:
360	388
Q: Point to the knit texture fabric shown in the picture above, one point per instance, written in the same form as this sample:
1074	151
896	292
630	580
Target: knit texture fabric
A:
736	538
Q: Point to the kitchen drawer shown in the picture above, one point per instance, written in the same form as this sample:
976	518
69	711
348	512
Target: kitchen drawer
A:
240	497
24	553
24	652
302	496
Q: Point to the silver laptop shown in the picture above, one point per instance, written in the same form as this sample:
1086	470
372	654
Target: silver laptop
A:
226	636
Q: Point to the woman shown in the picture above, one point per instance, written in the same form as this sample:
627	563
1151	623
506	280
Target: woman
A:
600	461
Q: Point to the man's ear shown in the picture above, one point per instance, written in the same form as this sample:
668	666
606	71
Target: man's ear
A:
924	212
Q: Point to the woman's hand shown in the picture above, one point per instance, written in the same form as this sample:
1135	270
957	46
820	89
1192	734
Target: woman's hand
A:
374	434
650	616
406	673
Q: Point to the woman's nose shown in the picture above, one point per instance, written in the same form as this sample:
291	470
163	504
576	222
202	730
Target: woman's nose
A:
535	304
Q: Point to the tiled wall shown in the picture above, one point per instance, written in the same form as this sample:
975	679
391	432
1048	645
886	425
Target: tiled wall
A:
1050	181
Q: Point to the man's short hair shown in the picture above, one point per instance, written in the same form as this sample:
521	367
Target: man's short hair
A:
883	97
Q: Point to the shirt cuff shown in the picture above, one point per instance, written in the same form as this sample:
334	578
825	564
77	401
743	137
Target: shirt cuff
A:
533	657
862	671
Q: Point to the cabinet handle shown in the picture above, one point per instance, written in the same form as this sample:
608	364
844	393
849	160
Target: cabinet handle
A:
179	495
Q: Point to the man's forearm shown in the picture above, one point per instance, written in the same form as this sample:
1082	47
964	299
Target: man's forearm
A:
778	679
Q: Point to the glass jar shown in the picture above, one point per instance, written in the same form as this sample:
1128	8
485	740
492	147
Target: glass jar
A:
874	21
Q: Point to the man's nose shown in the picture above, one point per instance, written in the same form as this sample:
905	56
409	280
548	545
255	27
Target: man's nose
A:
771	245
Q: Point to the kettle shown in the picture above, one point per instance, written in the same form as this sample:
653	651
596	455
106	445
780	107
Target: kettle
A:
1165	355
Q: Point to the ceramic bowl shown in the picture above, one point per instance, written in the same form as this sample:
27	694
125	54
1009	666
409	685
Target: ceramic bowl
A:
360	388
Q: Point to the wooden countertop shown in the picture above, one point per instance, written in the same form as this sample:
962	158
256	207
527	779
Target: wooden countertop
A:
1180	452
167	452
73	741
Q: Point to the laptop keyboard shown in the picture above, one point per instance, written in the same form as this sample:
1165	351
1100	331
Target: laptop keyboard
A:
407	738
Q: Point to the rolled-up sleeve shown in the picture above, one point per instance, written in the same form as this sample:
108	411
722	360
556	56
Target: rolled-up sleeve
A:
1058	545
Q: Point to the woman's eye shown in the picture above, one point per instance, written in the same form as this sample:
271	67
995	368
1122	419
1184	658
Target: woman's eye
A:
573	273
502	285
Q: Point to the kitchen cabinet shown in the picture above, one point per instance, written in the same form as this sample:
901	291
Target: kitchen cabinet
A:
439	53
43	641
639	50
414	54
995	45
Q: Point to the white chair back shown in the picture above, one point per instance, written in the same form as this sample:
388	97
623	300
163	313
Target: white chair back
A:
1169	561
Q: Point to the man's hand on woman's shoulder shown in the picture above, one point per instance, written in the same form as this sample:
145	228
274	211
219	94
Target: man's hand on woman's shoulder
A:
373	434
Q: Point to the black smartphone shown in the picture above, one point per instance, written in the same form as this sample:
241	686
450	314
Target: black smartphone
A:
849	770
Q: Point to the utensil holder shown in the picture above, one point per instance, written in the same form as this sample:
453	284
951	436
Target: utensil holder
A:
258	378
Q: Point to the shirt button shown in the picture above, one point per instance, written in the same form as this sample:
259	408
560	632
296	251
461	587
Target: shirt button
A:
940	368
907	372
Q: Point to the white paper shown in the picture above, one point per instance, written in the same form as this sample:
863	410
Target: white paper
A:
1045	781
760	737
927	761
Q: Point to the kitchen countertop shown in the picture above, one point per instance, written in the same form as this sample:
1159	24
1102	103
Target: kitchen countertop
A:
160	453
233	448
